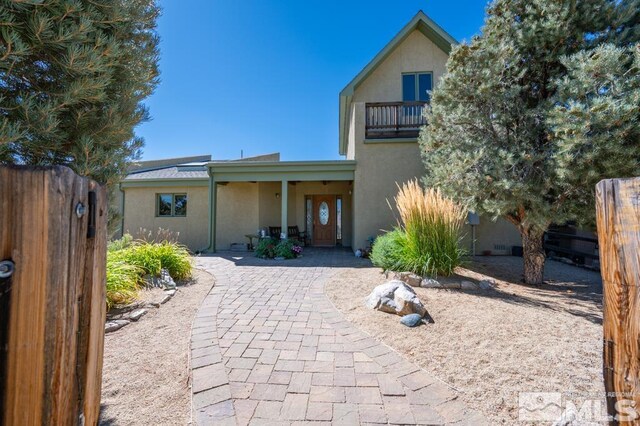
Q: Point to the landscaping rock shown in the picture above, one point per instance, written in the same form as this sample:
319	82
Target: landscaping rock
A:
137	314
165	299
430	283
112	326
165	279
395	297
170	292
451	284
408	277
468	285
411	320
486	284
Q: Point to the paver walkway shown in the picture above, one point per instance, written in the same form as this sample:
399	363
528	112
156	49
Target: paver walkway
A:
268	347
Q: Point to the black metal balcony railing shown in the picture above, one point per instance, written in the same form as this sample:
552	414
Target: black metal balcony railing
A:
394	119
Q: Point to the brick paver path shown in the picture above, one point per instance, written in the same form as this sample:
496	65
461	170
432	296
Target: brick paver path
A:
268	347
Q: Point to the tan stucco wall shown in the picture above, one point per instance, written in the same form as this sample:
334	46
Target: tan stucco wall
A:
140	212
236	213
270	207
492	235
381	165
415	54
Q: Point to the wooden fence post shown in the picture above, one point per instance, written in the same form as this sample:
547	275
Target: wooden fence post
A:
618	219
53	226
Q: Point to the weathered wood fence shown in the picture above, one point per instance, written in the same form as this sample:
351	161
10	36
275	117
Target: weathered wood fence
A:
618	217
52	296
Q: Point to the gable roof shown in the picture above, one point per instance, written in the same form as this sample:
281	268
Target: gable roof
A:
420	22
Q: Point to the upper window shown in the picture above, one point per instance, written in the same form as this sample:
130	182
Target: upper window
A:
416	86
171	204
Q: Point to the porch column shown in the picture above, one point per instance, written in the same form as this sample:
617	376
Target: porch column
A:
213	198
284	196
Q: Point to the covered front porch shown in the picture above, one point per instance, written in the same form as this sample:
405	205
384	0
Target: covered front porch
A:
310	198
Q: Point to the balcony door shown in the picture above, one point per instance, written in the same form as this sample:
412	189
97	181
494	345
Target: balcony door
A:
324	220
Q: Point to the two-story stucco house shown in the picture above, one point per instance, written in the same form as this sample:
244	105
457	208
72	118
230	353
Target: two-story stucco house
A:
214	204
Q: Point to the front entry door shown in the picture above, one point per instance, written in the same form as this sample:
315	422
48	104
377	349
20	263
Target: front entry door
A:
324	220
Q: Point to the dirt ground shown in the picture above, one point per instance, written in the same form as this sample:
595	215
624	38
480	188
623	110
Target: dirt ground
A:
145	377
490	345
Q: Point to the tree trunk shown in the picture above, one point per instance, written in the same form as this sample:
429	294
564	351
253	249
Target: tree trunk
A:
533	253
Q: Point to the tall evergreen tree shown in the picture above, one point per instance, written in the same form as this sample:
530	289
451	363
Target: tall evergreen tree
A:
73	75
533	112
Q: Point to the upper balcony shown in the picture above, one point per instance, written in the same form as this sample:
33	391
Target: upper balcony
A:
390	120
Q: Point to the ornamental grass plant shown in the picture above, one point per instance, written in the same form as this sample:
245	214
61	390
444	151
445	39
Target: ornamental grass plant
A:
128	261
427	238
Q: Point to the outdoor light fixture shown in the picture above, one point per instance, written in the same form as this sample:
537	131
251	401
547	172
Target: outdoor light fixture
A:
277	195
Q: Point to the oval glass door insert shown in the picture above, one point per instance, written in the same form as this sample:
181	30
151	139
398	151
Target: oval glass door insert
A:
323	213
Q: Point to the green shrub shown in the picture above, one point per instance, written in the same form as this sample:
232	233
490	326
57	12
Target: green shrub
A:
386	251
120	244
143	257
285	249
127	266
122	280
173	257
266	248
152	257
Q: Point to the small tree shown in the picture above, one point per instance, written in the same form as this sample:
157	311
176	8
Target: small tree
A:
73	74
521	124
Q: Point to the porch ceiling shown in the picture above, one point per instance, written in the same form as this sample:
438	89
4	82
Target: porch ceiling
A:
282	170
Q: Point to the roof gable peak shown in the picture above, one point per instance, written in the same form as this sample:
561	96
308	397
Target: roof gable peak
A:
420	22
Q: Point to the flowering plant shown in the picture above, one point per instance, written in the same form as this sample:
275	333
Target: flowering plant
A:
268	248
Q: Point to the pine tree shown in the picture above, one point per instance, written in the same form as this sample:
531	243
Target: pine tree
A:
523	123
73	75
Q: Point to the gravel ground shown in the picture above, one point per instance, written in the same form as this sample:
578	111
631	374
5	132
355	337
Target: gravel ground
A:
491	345
145	378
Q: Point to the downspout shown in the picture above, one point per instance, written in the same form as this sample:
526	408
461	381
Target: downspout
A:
210	244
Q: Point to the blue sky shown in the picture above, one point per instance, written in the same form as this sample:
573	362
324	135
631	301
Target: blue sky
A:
264	76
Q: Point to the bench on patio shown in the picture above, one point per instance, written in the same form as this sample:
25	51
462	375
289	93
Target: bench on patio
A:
292	232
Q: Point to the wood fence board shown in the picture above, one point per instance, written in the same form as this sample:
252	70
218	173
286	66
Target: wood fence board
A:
57	305
95	311
618	220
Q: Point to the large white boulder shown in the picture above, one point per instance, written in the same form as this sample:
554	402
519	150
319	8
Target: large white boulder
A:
395	297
